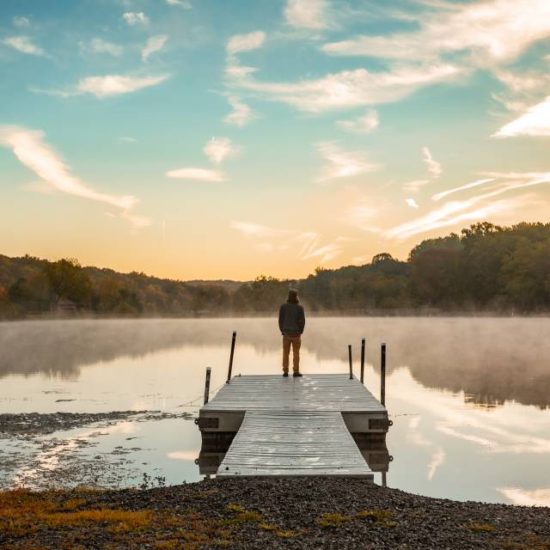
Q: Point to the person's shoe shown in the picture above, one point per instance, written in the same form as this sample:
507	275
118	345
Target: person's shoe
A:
297	374
285	374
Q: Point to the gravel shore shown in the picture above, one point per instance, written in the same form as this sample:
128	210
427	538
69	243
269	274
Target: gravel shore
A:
264	513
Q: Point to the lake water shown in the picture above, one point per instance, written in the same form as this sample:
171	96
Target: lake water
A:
468	397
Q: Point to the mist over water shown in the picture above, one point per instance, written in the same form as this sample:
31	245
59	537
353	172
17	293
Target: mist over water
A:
468	396
493	360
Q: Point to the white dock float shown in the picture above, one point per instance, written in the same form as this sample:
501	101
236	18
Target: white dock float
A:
293	426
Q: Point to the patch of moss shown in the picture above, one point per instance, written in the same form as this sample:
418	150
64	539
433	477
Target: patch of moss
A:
25	517
235	508
242	515
333	520
286	533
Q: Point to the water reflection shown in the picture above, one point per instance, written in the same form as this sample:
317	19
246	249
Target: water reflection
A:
490	360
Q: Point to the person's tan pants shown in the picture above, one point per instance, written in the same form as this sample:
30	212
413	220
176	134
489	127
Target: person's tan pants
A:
295	342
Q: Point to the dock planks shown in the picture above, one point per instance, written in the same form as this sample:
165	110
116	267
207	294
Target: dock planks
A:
293	426
298	443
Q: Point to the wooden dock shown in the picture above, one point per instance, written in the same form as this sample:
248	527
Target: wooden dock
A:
268	425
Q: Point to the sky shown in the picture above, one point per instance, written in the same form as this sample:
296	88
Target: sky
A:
215	139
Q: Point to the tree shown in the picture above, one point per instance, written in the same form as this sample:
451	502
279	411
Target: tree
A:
68	280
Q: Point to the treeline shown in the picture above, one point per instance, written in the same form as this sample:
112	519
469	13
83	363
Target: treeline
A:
485	267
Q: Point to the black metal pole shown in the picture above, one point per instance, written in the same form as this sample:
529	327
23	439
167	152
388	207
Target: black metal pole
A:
383	375
207	385
233	339
350	363
362	361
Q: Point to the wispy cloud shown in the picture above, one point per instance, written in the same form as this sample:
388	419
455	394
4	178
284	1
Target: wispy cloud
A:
474	208
197	174
98	45
476	183
342	164
412	203
241	114
434	168
31	149
24	45
245	42
307	14
522	88
21	22
312	247
220	149
153	44
112	85
449	214
363	125
348	89
480	30
304	245
134	18
535	122
185	4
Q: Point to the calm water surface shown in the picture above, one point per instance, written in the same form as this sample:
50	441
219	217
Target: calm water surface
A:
469	398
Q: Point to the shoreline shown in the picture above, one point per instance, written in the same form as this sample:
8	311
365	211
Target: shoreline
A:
382	314
257	513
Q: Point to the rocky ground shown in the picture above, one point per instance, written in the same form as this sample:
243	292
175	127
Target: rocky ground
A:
264	513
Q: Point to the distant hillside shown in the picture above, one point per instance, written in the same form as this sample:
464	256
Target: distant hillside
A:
229	285
486	267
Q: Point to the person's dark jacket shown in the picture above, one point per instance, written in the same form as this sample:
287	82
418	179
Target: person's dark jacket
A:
292	319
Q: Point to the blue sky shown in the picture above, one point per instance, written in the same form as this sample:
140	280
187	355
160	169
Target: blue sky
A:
210	139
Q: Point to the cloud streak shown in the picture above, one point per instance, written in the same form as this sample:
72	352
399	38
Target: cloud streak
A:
31	149
306	245
24	45
197	174
479	31
365	124
535	123
98	45
241	115
434	168
347	89
113	85
306	14
342	164
460	211
245	42
133	18
154	44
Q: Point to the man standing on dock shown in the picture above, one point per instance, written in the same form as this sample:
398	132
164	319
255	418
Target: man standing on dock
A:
292	321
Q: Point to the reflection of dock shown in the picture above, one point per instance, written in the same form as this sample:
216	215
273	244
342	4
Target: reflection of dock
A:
268	425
